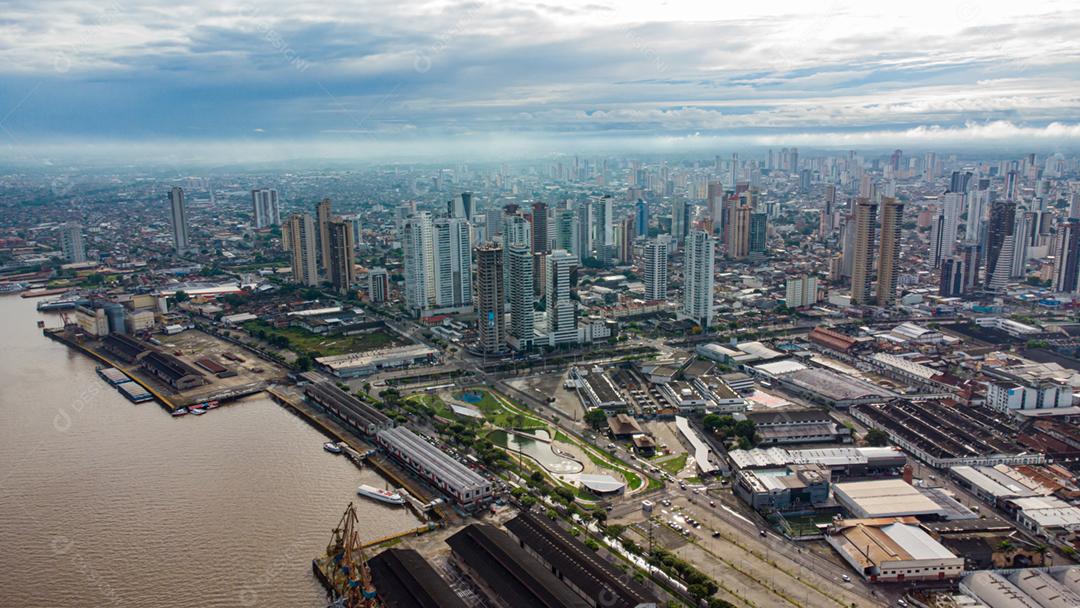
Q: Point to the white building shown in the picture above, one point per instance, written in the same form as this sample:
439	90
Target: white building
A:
522	313
801	292
1028	387
452	240
656	268
561	309
265	209
378	285
698	278
303	248
416	236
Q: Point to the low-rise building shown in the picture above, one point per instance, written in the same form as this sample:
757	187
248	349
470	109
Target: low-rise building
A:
798	487
798	426
892	550
353	365
466	487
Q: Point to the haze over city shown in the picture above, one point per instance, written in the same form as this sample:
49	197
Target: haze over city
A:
504	304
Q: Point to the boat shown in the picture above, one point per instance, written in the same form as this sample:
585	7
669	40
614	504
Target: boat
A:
331	447
197	411
211	405
62	303
13	287
180	412
387	496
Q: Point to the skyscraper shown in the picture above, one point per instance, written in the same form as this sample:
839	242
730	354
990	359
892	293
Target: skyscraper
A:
738	231
342	249
624	240
540	239
1067	257
715	200
179	221
892	218
698	278
952	207
937	236
1002	222
681	214
522	283
452	240
561	309
565	223
461	206
302	249
418	263
378	285
656	268
641	217
71	243
759	232
862	260
828	212
322	221
952	277
490	319
264	206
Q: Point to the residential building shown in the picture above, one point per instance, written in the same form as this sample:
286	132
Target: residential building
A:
892	218
490	320
265	209
561	309
698	278
71	243
522	313
862	251
302	249
656	268
179	221
342	250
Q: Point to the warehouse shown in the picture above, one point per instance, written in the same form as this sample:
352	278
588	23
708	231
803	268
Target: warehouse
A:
507	575
353	365
892	550
466	487
798	426
1028	588
884	498
832	389
598	391
595	580
847	461
404	579
353	411
172	370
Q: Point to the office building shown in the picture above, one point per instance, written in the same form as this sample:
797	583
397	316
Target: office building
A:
561	309
892	218
937	240
378	285
698	278
681	219
490	320
656	268
342	249
461	207
951	208
452	255
264	207
862	257
71	243
998	233
323	215
641	218
179	221
540	238
302	249
565	225
759	233
953	283
522	287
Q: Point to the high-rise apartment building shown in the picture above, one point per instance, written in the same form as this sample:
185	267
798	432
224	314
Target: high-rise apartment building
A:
801	291
862	259
302	249
1067	257
561	309
641	218
342	248
323	215
656	268
179	221
490	319
1000	227
265	208
452	241
540	240
682	213
892	219
698	264
759	233
522	287
71	243
738	231
419	267
952	283
378	280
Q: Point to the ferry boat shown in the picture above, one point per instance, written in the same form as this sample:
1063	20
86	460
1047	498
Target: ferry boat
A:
387	496
180	412
331	447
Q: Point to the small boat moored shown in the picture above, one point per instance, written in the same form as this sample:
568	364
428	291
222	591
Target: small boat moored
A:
331	447
196	411
180	412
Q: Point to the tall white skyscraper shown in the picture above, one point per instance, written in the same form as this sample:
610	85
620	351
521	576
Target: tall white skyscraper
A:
71	243
561	309
452	239
952	207
516	231
522	314
564	224
264	204
656	268
178	219
698	277
419	269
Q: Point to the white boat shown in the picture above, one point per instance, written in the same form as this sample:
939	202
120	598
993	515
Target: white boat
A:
196	411
393	498
331	447
180	412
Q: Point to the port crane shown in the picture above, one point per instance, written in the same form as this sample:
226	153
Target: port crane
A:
346	565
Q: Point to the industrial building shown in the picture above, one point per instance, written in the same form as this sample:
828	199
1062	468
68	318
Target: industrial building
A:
798	426
466	487
353	365
830	388
595	580
892	550
404	579
348	408
597	390
1058	588
843	461
884	498
795	488
507	575
172	371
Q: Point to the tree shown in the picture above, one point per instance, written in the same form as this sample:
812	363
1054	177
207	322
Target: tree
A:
181	296
877	437
596	418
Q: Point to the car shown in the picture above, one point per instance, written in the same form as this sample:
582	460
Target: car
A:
845	578
712	503
716	534
901	602
763	533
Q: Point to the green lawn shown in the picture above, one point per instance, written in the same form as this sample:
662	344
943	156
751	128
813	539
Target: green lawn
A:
674	464
325	346
501	416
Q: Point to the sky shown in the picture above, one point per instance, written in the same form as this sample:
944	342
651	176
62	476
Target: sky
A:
279	80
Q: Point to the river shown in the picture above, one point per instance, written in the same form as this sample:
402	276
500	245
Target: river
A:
108	503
